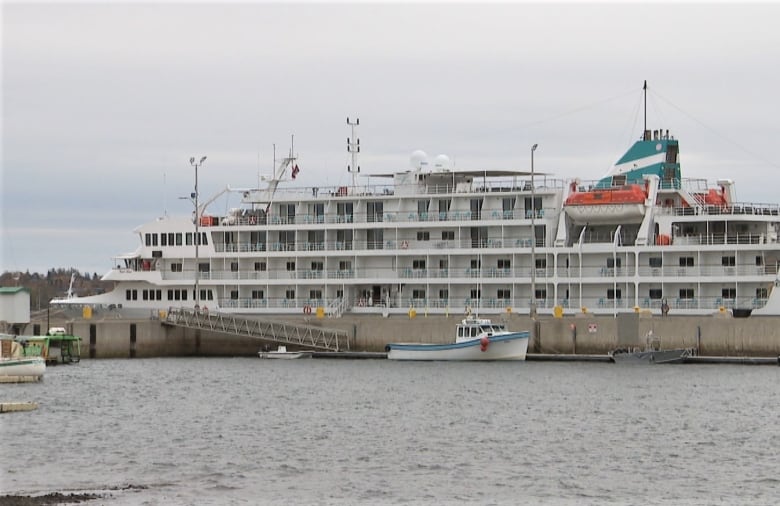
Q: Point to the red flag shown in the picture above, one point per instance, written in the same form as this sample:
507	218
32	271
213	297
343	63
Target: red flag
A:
295	171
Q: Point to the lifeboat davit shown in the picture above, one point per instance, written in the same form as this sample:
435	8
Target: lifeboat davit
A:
624	204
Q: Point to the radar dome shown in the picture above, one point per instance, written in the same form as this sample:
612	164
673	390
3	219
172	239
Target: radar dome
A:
419	159
442	163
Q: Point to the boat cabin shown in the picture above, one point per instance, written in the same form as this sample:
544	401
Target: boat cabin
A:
56	347
475	328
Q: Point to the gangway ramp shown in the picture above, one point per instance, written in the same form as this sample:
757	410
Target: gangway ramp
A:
299	335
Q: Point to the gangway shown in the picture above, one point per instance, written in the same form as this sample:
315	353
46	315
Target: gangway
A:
300	335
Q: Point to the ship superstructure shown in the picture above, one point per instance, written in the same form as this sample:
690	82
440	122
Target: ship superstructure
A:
439	240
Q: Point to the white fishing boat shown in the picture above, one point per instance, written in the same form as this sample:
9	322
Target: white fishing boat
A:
427	235
13	363
475	339
282	353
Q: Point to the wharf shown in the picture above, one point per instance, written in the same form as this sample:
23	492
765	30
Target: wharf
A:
349	354
11	407
565	357
20	379
733	360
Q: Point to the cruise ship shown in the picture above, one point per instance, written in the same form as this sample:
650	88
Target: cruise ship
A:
435	240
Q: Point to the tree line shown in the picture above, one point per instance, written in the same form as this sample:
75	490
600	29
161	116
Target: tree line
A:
54	284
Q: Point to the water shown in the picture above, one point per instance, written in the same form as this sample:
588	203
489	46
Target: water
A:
251	431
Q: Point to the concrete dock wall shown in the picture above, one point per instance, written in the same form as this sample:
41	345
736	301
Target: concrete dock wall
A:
581	334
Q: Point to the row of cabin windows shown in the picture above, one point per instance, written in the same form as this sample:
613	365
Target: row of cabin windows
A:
725	261
174	239
132	294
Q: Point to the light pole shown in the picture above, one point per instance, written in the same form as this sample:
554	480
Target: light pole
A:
197	230
533	236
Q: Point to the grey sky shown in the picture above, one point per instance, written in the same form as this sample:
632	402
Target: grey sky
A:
103	104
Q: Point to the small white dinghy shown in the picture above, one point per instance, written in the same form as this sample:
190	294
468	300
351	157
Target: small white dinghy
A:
282	353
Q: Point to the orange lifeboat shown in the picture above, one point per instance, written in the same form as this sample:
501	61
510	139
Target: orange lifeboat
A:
629	194
622	204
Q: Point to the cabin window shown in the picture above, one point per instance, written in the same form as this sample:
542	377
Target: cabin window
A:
762	293
504	263
503	293
447	235
614	294
148	239
345	265
423	236
315	294
686	293
257	294
476	263
163	240
260	266
170	294
178	239
176	294
656	262
686	261
541	263
145	295
418	264
759	260
655	294
176	267
154	239
614	262
233	266
728	293
289	294
444	264
476	293
418	294
204	267
188	239
233	294
444	294
728	261
344	212
317	266
375	238
476	209
374	211
540	294
290	266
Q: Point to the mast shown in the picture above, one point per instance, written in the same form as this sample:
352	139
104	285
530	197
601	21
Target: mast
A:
353	147
644	132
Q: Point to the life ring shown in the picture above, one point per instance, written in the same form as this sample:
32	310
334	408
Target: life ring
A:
252	220
307	309
404	244
361	302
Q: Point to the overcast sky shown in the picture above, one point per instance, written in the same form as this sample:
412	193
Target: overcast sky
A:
103	104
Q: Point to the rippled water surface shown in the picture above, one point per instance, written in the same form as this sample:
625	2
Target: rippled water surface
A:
251	431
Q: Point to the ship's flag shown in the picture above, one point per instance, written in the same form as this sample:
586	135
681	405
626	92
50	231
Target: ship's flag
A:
295	171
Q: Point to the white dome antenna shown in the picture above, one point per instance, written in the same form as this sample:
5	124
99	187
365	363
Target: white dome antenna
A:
418	159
